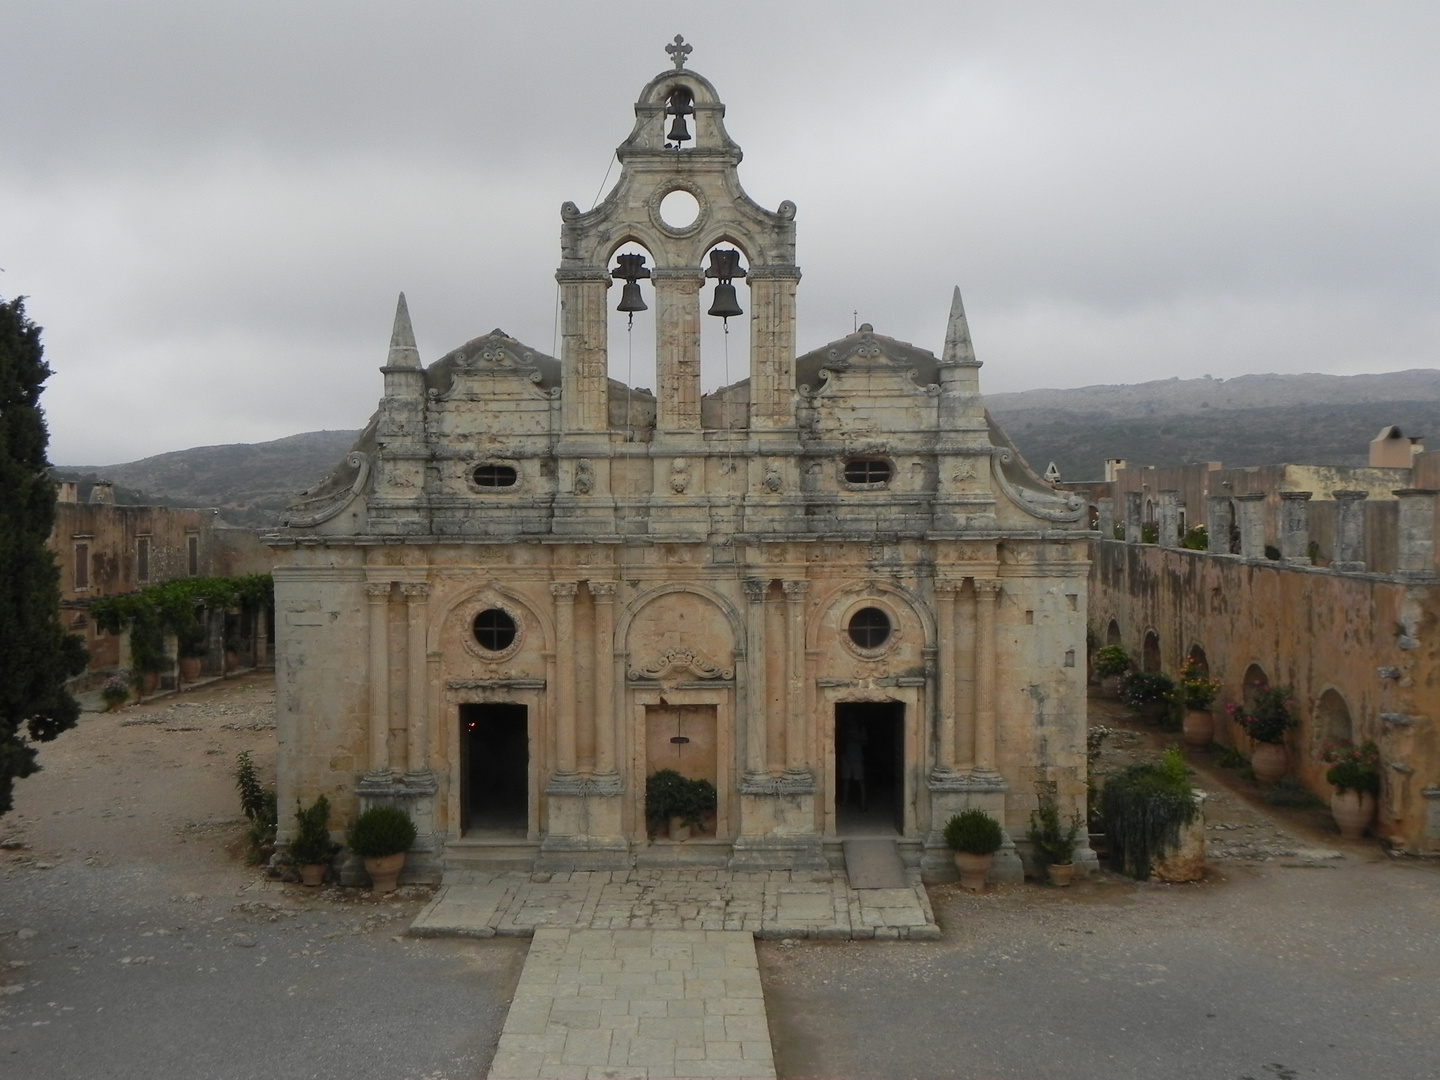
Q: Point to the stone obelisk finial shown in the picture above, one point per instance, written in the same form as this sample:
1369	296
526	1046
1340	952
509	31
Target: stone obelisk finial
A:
958	349
403	352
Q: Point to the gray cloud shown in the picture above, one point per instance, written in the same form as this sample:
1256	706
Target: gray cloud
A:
213	206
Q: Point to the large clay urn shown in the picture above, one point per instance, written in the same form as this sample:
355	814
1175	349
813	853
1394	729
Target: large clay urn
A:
1060	874
1270	761
1198	727
384	871
189	669
1354	812
974	869
312	875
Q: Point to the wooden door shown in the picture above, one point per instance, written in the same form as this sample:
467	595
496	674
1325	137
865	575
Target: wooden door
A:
683	738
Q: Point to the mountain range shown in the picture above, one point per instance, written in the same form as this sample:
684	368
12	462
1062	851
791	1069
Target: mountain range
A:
1248	420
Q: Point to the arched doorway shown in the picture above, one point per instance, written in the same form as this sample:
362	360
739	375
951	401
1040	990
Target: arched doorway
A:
1112	633
1150	652
1199	662
1332	719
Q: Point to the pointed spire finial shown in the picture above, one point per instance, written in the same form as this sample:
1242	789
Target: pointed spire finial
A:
403	352
958	349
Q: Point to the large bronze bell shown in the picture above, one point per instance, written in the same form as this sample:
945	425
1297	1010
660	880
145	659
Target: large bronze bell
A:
726	303
630	298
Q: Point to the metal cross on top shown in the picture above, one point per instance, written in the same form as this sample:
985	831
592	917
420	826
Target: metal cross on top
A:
679	51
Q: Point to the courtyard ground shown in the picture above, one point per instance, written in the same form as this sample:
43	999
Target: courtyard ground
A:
134	942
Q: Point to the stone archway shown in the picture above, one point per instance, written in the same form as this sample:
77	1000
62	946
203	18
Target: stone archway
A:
1150	652
1333	723
1112	633
1199	662
1254	682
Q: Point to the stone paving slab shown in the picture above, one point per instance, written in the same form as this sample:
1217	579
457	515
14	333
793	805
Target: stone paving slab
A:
773	904
635	1004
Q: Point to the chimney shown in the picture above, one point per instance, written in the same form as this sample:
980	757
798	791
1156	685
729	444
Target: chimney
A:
67	491
102	493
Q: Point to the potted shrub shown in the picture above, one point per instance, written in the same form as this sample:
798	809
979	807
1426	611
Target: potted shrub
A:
1197	693
1355	773
1052	843
1146	807
115	692
1111	662
311	847
677	803
1148	693
1266	722
381	836
974	837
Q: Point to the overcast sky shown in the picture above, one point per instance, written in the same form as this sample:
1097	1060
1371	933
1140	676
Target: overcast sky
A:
212	206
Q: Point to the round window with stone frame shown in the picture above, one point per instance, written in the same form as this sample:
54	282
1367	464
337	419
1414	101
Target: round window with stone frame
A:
494	631
867	472
869	628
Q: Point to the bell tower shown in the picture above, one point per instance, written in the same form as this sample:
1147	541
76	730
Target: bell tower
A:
679	143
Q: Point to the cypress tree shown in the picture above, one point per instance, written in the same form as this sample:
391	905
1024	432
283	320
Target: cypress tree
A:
36	654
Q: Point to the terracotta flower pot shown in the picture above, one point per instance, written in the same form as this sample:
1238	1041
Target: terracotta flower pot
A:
1270	761
1110	686
189	668
312	874
1198	727
384	871
1152	711
974	869
232	661
1060	874
1354	812
149	683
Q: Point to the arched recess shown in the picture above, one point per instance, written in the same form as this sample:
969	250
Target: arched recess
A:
1112	633
436	635
1150	652
841	596
1333	723
724	343
631	340
732	616
1255	681
1199	662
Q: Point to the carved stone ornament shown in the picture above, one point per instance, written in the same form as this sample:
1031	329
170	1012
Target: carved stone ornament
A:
584	477
679	475
773	482
681	660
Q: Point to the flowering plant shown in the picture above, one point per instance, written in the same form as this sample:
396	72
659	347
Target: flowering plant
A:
1196	690
1270	716
115	690
1140	688
1353	768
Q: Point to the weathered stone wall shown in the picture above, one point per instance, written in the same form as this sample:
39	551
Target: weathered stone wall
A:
1372	640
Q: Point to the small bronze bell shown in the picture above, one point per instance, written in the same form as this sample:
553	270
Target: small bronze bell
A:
679	107
630	298
726	304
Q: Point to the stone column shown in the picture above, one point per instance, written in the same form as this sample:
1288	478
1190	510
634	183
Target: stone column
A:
1416	533
262	636
1349	554
797	756
1169	519
378	593
945	615
772	346
1134	515
1218	519
564	593
1251	507
604	594
1105	518
1295	526
417	737
986	592
584	349
677	349
756	695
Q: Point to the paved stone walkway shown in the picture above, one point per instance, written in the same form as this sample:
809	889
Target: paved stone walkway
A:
623	1004
771	904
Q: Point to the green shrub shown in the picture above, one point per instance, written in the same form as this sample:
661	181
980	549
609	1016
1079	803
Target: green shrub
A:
311	844
1145	806
670	795
1230	758
1053	843
381	831
1288	791
1111	660
1196	539
973	831
1146	688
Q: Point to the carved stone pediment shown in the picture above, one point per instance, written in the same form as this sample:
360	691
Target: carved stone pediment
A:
680	662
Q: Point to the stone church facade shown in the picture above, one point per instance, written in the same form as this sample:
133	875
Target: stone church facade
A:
529	586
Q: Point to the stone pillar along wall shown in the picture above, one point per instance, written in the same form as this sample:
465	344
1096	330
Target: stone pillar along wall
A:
604	697
417	744
986	592
945	616
1295	526
797	757
1105	518
378	594
755	667
1134	512
677	349
1251	508
1169	519
584	349
1349	553
1219	518
1416	554
564	594
772	347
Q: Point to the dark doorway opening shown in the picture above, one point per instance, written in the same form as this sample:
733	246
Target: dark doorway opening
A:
494	770
870	768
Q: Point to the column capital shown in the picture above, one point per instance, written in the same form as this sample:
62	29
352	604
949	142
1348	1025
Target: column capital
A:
602	591
947	586
414	591
1348	496
1249	496
756	590
987	587
564	591
1300	496
377	591
795	590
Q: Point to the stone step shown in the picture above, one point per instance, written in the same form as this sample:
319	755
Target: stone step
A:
500	855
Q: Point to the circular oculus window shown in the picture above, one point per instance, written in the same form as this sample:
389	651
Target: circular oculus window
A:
869	628
494	630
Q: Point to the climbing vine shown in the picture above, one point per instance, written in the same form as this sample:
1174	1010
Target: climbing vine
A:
177	607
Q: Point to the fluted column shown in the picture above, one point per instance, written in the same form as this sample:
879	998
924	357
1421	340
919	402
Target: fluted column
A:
564	593
583	349
756	696
772	346
378	594
417	742
797	757
604	696
986	590
945	615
